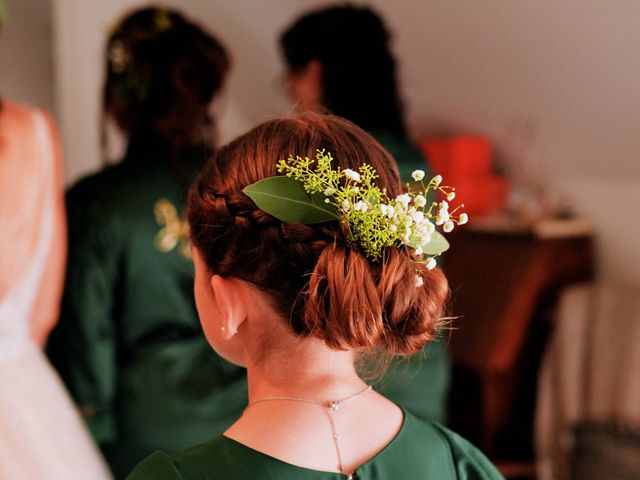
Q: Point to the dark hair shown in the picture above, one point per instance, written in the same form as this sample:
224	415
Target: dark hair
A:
162	73
324	285
358	70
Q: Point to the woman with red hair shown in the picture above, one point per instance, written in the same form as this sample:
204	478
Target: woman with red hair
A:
298	295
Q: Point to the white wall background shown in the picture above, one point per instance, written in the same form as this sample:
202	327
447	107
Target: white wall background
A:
26	73
570	69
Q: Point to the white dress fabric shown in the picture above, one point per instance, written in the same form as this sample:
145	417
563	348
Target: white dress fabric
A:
42	436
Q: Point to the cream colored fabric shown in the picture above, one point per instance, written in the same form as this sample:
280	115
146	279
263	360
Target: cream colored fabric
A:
41	434
590	371
24	190
24	255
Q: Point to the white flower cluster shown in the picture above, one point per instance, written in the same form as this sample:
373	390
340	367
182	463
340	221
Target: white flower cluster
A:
418	225
351	174
409	216
374	220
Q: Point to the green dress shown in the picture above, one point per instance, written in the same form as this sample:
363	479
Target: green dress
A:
420	383
129	345
407	155
421	450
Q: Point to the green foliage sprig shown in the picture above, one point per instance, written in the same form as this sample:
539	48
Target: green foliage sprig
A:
315	192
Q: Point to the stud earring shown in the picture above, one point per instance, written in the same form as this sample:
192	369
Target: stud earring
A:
222	328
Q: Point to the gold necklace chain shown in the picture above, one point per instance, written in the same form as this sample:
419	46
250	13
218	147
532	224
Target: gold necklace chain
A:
329	408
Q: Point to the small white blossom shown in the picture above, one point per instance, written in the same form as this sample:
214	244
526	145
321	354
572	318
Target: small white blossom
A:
419	281
431	263
448	226
329	191
351	174
420	201
442	217
417	216
451	196
444	205
326	200
417	175
356	189
440	220
360	206
390	211
393	228
437	180
430	227
464	218
346	205
403	200
407	231
383	209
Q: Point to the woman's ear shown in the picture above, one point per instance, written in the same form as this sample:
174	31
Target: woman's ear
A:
228	295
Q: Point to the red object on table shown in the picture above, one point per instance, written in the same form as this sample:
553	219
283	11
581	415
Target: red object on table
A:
481	195
459	155
465	163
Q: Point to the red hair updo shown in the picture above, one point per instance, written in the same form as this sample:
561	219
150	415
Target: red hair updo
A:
323	286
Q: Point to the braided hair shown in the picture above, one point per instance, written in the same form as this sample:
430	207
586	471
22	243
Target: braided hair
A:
324	286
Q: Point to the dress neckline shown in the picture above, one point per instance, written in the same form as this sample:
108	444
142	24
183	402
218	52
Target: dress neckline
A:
330	474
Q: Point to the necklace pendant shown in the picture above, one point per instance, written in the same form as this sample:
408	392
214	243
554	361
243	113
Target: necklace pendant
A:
334	405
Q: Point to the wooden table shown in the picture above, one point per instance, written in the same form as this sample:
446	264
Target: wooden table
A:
503	288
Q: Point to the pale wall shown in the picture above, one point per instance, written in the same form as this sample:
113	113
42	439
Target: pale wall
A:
26	53
568	68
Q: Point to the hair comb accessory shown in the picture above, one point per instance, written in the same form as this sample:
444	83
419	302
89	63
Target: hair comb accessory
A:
311	191
162	19
119	56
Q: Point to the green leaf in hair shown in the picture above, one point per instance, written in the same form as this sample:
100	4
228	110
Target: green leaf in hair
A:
288	201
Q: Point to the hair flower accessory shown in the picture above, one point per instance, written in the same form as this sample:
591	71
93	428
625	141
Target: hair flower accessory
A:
311	191
119	56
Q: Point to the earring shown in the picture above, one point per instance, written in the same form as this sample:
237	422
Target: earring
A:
222	328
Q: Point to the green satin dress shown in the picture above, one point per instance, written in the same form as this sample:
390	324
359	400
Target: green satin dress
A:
421	450
129	345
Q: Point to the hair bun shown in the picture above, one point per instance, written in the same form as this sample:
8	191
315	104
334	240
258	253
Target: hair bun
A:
314	279
354	304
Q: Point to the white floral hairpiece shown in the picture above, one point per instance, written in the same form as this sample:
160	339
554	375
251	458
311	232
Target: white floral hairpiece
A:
311	191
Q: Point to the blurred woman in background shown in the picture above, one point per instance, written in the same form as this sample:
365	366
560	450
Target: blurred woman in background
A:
339	58
41	434
129	344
